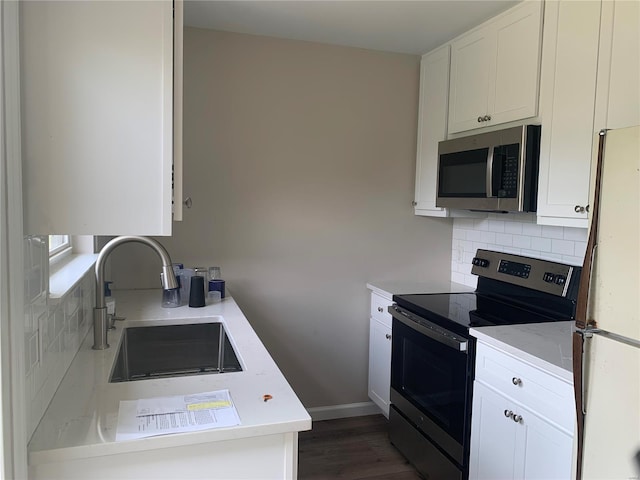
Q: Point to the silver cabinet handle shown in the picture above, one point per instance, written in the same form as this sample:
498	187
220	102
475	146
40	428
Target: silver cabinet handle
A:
188	202
517	418
516	381
480	120
388	336
508	413
414	203
579	209
380	309
587	208
487	118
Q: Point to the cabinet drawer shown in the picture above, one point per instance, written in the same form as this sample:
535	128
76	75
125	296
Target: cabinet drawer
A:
379	309
541	392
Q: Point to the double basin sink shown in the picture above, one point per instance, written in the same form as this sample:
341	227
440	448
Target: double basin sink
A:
172	351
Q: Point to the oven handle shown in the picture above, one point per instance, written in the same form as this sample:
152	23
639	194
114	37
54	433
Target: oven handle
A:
429	329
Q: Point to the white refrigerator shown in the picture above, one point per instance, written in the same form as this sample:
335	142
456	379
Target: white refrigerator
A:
611	358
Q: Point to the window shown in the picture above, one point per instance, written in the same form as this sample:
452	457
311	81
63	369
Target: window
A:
58	244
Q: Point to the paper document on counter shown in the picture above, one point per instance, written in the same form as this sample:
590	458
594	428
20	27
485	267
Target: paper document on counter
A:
149	417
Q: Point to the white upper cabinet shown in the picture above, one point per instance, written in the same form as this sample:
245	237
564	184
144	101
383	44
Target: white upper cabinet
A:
97	85
432	128
567	100
495	70
618	94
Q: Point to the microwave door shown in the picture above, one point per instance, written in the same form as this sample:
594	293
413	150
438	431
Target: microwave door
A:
462	180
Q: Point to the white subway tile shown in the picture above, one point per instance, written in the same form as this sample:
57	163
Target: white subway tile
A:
521	241
513	227
530	253
572	260
576	234
468	257
526	217
579	249
554	257
541	244
504	239
496	226
464	223
481	245
482	225
549	231
531	229
470	280
512	250
458	233
562	247
474	235
467	245
458	277
488	237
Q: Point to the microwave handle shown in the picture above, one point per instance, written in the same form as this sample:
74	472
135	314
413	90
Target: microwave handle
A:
489	179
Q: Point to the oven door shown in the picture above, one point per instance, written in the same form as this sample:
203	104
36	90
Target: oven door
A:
431	381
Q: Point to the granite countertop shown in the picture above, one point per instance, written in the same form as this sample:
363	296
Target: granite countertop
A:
547	346
388	289
81	419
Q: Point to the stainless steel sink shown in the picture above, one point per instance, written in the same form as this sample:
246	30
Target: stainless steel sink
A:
172	351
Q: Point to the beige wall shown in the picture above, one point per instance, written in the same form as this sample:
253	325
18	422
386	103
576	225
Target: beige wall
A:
300	159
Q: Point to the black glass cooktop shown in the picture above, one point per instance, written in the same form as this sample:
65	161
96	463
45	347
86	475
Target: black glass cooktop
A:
461	311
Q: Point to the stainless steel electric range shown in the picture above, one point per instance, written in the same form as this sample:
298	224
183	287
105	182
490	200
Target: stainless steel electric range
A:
433	355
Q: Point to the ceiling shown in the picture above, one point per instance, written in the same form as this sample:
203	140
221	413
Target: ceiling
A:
415	26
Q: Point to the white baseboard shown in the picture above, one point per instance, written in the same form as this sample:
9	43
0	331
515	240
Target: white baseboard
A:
343	411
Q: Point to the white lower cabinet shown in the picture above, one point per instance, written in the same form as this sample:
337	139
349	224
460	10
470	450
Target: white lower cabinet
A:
501	447
380	352
513	434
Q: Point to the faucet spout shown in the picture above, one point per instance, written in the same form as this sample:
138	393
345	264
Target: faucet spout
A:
100	311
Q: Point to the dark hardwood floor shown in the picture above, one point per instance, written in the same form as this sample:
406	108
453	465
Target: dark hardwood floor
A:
351	448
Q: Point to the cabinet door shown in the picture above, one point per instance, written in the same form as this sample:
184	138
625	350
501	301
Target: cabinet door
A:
567	101
543	450
495	70
501	447
380	364
513	93
178	42
432	128
493	436
97	93
470	77
619	70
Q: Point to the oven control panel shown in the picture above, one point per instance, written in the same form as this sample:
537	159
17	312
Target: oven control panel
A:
542	275
516	269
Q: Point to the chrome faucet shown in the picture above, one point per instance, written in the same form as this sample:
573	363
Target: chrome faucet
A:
100	322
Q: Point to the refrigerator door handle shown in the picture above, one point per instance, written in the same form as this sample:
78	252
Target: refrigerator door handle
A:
589	332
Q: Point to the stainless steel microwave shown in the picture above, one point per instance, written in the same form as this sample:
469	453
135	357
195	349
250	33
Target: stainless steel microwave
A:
495	171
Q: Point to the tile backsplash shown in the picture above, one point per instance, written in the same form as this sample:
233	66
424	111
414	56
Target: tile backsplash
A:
53	329
511	233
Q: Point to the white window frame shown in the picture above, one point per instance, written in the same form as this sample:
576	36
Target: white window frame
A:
60	251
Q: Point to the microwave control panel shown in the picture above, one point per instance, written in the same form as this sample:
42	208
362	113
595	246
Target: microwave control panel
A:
506	159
